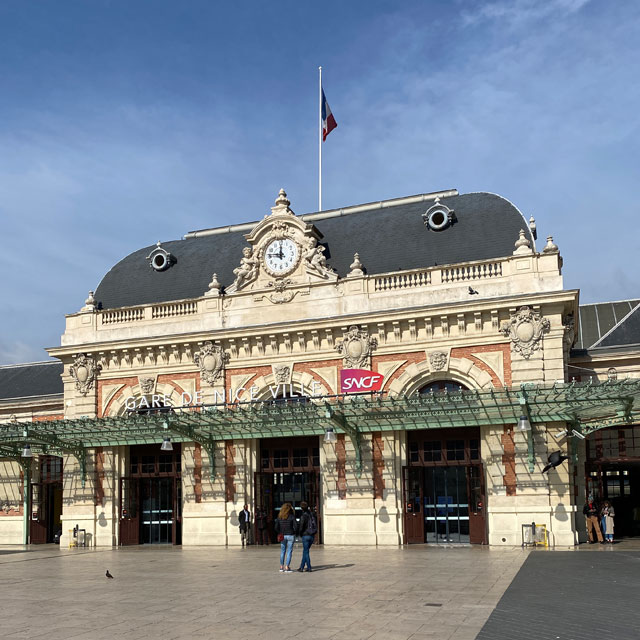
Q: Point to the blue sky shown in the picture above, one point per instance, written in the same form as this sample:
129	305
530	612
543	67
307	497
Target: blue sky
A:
123	123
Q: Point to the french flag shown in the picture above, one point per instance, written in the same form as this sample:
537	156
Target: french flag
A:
328	121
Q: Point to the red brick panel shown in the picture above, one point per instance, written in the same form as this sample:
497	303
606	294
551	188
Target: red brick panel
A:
99	491
467	352
411	358
341	467
229	471
47	418
509	460
378	465
197	472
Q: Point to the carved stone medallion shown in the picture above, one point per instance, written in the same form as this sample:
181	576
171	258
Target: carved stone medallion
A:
438	360
525	329
211	359
356	348
281	294
84	371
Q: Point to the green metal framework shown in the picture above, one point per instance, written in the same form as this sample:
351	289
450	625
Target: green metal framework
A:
586	406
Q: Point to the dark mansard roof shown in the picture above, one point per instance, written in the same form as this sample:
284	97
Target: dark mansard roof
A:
389	236
32	379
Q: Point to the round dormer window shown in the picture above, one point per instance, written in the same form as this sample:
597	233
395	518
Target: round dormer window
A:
159	262
160	259
438	217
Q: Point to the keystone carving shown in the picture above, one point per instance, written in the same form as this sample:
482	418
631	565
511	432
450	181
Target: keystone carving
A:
281	373
356	348
84	371
525	329
147	384
211	359
438	360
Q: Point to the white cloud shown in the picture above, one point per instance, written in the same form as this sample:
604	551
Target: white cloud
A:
516	13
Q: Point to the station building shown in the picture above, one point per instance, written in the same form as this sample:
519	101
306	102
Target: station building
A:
406	367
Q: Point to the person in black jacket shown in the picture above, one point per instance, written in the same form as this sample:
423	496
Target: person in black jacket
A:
308	531
286	526
244	520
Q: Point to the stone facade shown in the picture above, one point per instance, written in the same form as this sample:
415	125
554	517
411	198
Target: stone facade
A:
302	327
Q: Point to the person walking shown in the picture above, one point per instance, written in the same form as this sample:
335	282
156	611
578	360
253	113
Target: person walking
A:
244	520
591	513
262	523
286	527
308	529
607	514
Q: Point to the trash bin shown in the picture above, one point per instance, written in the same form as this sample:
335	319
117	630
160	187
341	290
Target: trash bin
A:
73	541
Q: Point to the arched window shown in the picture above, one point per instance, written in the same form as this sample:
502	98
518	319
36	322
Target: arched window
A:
441	385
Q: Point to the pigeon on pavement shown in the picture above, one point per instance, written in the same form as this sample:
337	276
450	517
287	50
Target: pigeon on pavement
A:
108	574
554	460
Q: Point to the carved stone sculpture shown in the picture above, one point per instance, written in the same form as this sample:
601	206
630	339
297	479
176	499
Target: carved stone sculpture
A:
247	271
315	260
211	359
438	360
84	371
570	335
282	294
147	384
281	373
356	348
525	329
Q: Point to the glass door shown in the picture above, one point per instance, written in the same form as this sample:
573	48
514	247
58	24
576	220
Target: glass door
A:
446	505
156	501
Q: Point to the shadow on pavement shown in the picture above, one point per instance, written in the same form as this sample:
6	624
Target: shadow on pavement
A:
323	567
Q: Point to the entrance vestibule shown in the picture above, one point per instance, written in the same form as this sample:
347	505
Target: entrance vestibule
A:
443	488
289	472
46	501
613	473
151	497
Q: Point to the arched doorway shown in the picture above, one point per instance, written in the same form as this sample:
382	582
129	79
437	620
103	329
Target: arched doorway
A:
443	482
289	472
151	491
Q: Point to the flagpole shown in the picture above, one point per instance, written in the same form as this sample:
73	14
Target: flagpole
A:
320	139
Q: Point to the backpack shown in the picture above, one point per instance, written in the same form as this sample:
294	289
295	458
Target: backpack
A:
312	525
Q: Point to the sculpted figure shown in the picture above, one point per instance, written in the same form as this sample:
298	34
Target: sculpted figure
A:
315	258
247	270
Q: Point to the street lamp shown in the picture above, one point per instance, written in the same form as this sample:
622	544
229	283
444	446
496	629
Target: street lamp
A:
26	452
524	424
166	444
330	436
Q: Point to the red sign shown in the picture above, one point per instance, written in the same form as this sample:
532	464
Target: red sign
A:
360	381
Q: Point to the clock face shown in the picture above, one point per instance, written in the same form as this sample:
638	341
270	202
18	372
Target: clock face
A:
281	256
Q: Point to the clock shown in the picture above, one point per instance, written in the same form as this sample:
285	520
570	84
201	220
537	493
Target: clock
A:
281	256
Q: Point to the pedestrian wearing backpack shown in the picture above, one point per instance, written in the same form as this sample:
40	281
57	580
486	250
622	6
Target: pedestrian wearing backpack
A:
308	528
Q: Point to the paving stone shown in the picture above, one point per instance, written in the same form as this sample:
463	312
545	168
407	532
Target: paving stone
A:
571	595
166	593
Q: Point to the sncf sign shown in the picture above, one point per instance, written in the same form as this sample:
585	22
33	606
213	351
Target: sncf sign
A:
359	380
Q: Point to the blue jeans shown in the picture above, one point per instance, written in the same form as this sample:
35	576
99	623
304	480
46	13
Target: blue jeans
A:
603	525
286	546
307	541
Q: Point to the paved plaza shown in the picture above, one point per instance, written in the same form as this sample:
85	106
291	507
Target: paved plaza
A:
359	592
